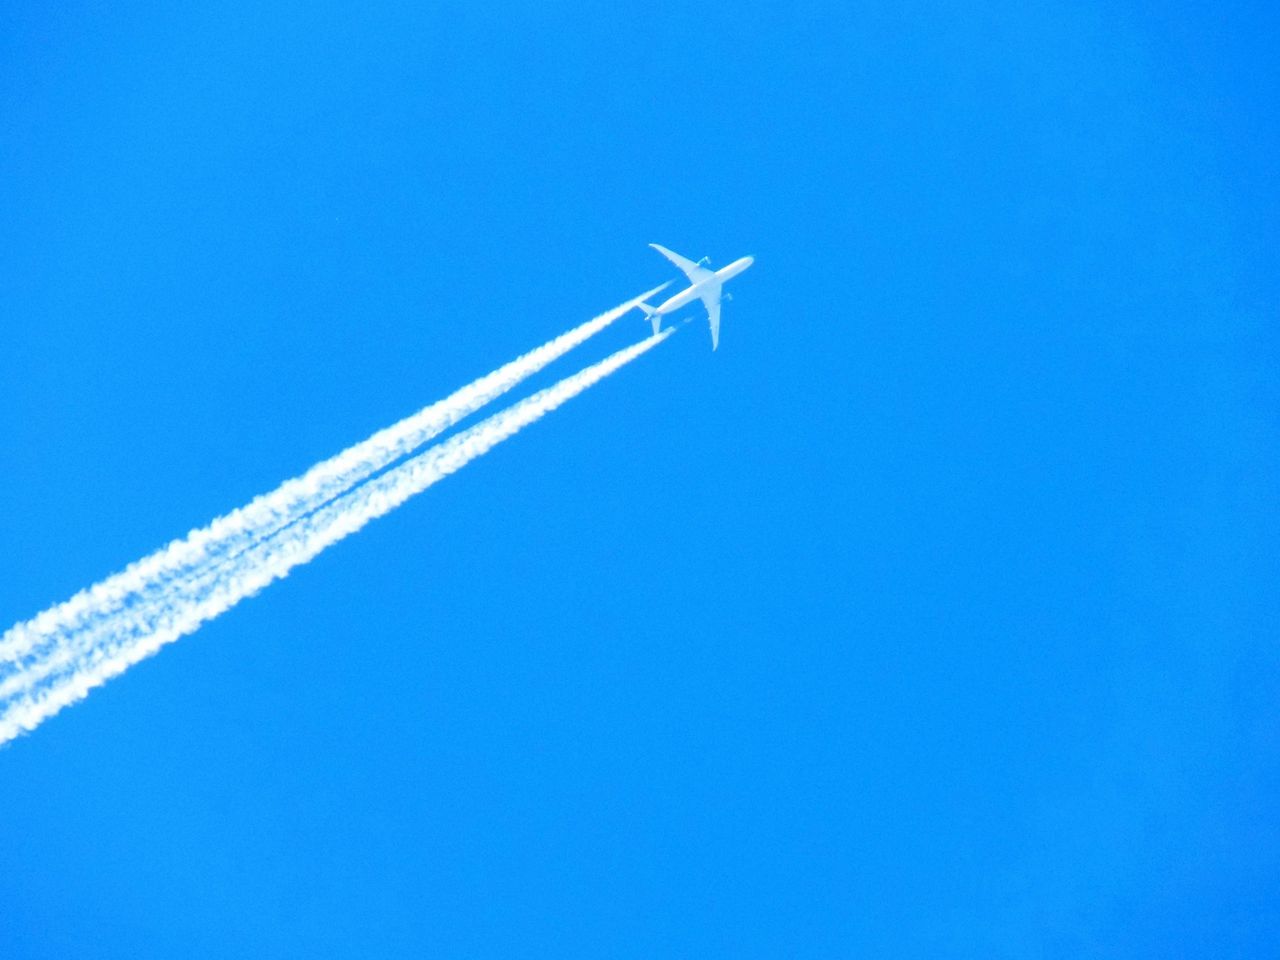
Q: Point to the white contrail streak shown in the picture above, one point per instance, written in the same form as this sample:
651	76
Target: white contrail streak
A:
53	638
274	557
270	512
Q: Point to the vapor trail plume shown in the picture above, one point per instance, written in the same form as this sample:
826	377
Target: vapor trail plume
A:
273	558
270	512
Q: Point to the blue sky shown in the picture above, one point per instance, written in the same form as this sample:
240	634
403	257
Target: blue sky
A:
933	615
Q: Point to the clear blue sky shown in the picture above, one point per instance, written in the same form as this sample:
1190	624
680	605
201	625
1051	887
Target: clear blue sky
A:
934	615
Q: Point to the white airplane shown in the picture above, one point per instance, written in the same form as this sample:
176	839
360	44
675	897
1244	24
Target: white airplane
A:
706	286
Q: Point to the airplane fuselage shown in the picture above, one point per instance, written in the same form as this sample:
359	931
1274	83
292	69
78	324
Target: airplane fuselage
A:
695	292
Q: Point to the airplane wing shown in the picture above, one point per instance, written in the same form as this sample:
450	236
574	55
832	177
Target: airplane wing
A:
695	273
711	300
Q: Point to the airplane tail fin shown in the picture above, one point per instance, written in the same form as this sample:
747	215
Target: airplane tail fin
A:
654	317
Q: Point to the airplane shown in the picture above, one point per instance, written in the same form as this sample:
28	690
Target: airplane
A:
706	284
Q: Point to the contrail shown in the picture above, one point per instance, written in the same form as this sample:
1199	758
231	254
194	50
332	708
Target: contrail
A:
274	557
270	512
53	638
